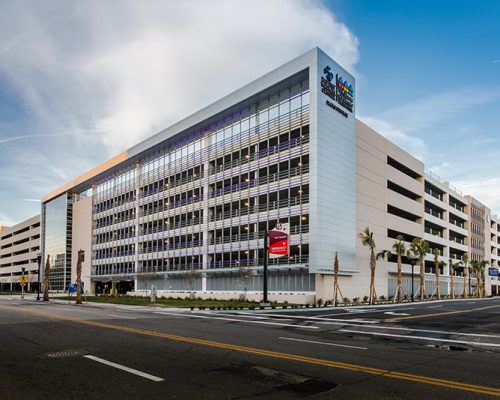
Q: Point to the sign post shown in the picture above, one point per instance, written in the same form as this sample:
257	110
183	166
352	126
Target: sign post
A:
22	281
276	244
264	299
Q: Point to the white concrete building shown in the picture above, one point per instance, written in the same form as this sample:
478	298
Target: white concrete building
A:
19	248
186	209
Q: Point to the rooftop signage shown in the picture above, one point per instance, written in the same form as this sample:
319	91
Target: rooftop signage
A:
341	92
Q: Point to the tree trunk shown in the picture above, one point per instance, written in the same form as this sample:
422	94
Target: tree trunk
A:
438	284
372	278
466	272
399	289
46	280
422	280
452	283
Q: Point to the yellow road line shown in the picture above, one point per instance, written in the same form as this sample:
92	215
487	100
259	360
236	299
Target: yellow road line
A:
439	314
273	354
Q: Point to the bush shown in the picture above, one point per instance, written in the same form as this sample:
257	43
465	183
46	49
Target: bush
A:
355	300
320	302
381	297
365	299
347	300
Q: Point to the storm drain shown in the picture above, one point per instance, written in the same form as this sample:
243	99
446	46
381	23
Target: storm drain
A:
452	348
297	385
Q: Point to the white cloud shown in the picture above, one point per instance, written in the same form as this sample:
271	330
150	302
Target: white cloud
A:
109	74
428	111
129	69
486	190
5	220
411	144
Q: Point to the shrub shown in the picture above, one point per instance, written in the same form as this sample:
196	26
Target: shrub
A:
382	297
320	302
355	300
347	300
365	299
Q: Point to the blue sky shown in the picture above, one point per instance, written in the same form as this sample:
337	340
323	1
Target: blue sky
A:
81	81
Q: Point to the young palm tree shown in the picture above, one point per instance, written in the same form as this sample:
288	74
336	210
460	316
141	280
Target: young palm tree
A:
46	280
474	264
399	250
418	250
479	268
453	267
437	266
465	262
483	266
367	240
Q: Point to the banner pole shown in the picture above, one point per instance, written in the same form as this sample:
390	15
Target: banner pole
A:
265	265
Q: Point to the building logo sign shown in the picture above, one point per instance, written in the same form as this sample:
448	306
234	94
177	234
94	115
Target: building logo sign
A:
340	91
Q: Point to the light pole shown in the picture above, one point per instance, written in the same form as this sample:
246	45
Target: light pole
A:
39	261
264	299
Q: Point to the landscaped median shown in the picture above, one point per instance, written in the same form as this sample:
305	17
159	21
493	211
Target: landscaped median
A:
179	303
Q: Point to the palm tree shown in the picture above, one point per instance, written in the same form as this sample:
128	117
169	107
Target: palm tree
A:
478	267
367	240
418	250
482	267
453	267
465	262
437	266
46	280
474	264
399	250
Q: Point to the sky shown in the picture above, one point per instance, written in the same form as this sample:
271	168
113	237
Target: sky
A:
82	81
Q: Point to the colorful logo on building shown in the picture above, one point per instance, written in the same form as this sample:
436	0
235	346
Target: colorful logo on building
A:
341	92
344	86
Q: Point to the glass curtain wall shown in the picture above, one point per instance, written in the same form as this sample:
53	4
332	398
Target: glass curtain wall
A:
57	218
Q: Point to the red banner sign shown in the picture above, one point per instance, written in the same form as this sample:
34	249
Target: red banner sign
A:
279	241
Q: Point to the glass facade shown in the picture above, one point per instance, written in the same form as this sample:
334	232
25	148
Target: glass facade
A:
193	213
56	226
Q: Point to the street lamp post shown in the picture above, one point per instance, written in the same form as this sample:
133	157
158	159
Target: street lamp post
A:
39	260
264	300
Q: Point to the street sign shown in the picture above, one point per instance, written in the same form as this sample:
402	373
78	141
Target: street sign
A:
23	280
492	271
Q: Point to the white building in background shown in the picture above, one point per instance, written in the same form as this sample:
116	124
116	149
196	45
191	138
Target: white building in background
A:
186	209
19	248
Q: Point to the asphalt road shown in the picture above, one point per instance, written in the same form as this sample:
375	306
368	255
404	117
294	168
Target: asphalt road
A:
434	350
